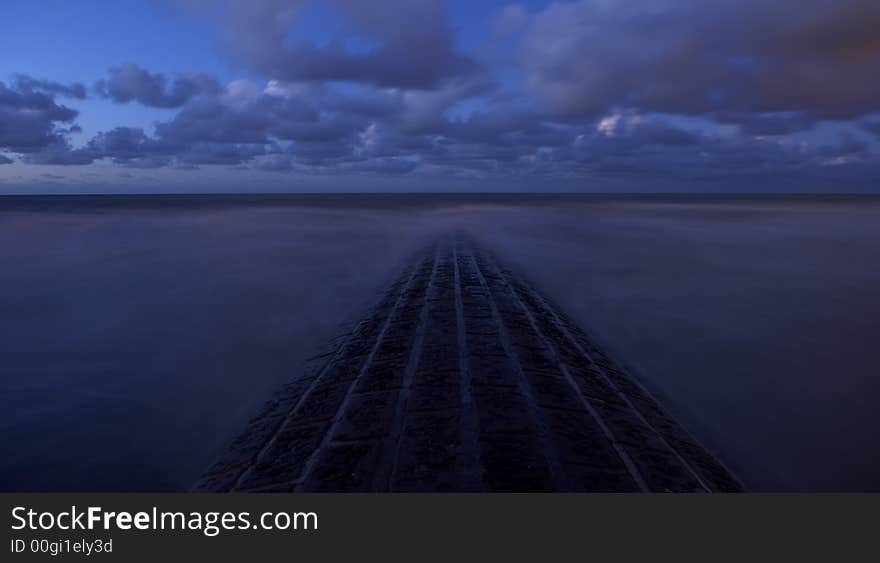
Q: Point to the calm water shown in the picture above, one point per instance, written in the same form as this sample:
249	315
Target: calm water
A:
138	335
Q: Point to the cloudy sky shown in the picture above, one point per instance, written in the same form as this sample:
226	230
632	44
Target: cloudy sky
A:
426	95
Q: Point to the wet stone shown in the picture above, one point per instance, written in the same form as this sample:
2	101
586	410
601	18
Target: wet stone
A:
435	378
285	457
491	374
381	377
553	392
430	452
321	403
367	416
435	398
514	464
344	468
463	378
502	410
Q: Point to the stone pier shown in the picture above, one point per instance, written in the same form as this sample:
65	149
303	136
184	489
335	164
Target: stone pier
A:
464	378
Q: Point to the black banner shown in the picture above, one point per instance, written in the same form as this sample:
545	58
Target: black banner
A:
151	527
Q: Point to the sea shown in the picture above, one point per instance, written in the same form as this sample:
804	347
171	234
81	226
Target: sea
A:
138	334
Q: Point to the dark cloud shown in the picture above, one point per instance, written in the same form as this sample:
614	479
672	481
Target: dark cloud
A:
5	160
233	129
311	132
251	120
872	125
675	89
30	118
819	57
386	43
132	83
221	153
129	146
768	124
322	153
635	130
384	165
26	83
61	154
274	163
846	146
133	148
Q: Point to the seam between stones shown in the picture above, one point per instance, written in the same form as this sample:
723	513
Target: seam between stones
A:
679	429
383	481
328	436
470	423
331	357
629	403
561	326
588	405
551	456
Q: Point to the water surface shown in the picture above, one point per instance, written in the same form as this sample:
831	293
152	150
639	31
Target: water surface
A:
138	334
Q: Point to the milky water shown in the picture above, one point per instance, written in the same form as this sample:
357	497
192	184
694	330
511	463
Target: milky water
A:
137	338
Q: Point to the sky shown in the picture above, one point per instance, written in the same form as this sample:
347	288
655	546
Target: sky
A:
133	96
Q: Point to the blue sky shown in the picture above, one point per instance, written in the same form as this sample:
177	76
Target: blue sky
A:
299	95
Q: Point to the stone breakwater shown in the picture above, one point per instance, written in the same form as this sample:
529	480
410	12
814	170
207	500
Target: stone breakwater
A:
464	378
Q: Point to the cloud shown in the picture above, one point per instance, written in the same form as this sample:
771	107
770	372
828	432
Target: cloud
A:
817	57
512	18
61	154
133	148
26	83
847	147
5	160
668	89
220	154
768	124
385	43
132	83
318	129
274	163
257	122
383	166
126	145
30	118
872	125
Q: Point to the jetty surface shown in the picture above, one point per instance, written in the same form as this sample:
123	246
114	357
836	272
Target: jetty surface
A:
464	378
